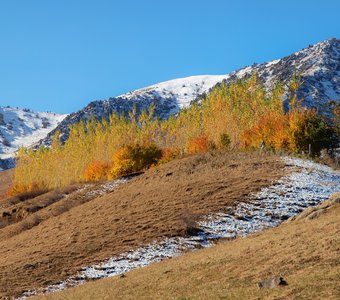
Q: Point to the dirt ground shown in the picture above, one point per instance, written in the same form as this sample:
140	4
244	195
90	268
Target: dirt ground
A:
61	237
305	252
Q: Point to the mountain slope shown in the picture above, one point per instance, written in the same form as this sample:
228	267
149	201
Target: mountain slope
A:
318	65
22	128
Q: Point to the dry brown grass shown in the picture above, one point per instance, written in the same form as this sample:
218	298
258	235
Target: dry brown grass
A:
5	183
26	207
305	252
163	202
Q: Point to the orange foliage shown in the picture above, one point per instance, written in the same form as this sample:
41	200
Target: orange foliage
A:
96	171
199	144
17	189
272	129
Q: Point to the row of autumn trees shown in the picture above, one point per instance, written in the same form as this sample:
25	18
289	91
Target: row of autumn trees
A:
239	115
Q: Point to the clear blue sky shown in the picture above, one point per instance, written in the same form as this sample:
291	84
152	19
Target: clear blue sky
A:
59	55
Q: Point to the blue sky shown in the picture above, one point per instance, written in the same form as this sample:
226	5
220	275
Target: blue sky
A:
60	55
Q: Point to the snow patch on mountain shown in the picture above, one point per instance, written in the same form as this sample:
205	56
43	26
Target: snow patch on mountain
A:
23	127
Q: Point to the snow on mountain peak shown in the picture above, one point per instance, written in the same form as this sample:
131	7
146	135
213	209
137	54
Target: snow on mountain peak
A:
184	90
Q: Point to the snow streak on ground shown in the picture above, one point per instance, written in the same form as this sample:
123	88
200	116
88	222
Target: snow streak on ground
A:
288	196
107	187
307	185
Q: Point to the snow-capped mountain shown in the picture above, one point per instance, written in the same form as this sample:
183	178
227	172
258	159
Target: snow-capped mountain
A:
22	128
318	65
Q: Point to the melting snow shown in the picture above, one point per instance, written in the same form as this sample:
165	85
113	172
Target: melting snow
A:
307	186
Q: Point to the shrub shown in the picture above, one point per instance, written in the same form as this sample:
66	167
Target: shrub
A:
311	130
122	163
191	227
144	157
225	140
199	144
134	158
96	171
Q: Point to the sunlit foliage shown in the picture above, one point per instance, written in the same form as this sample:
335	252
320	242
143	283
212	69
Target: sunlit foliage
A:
239	115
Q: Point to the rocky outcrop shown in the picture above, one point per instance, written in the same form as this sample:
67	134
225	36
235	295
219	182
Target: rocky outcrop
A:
270	283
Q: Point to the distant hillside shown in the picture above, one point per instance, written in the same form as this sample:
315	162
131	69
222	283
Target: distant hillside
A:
22	128
318	65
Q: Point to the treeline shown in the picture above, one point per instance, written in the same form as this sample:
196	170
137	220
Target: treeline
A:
239	115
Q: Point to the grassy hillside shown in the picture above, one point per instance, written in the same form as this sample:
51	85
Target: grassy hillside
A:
306	252
59	233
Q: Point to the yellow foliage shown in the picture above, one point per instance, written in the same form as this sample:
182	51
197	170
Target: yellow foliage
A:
122	163
134	158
